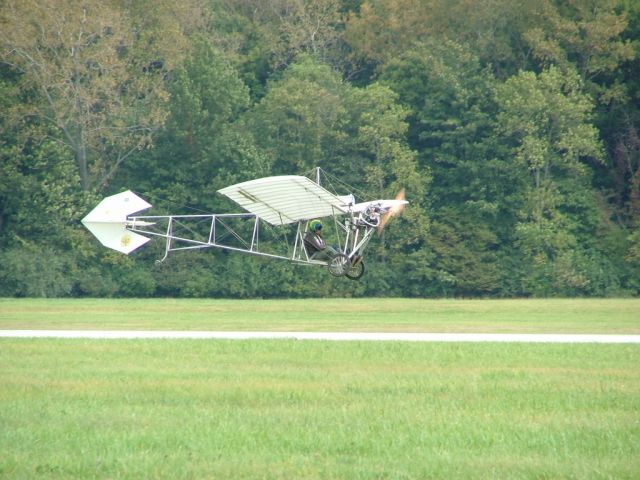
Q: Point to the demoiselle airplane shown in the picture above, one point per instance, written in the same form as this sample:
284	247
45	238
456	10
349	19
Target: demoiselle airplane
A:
288	202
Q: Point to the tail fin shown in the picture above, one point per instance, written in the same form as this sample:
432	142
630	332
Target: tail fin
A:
108	221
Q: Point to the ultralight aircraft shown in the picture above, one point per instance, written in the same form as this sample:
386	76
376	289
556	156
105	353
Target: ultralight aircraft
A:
288	202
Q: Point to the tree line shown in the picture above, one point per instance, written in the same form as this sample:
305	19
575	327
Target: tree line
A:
512	126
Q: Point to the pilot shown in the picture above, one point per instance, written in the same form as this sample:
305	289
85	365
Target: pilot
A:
315	244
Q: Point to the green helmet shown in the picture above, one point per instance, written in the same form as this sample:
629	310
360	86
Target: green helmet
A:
315	225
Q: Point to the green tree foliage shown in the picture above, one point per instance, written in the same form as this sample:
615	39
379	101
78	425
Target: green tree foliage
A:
92	77
311	117
263	38
511	125
298	122
204	144
452	127
383	30
546	119
581	35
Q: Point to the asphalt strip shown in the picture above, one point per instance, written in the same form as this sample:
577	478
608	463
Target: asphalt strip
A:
327	336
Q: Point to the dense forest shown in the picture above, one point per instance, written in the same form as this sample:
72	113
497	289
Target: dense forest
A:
512	125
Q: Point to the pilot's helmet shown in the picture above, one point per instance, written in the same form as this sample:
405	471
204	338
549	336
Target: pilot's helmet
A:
315	225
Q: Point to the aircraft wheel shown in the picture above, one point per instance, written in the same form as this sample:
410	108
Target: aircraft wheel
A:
356	271
339	265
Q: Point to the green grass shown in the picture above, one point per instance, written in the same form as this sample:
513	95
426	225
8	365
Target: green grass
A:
306	409
309	409
410	315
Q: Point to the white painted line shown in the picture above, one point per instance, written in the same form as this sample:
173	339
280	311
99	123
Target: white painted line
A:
331	336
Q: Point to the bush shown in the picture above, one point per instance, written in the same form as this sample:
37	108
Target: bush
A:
136	282
35	271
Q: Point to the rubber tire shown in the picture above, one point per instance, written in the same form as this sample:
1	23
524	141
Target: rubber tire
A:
339	265
356	271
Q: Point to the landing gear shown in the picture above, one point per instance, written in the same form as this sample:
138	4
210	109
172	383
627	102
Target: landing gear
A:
356	271
339	265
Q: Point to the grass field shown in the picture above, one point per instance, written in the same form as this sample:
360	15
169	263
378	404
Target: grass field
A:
286	409
365	315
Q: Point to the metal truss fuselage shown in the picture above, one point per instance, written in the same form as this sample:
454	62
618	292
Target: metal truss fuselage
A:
242	232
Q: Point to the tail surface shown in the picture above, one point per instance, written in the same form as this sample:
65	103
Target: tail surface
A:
108	221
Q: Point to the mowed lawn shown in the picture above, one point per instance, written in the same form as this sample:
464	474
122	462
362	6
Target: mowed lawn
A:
287	409
318	410
613	316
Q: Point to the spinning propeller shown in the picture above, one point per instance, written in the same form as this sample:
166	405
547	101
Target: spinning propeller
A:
396	209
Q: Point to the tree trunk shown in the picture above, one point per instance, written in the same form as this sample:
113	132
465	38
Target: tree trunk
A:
81	158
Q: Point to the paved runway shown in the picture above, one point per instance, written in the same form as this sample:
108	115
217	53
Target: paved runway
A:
327	336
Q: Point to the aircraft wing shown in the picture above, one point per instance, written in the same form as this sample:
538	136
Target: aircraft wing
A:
285	199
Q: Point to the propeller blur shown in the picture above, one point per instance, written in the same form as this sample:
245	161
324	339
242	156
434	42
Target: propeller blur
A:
396	208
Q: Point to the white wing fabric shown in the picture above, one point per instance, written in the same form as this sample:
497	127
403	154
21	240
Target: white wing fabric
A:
285	199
